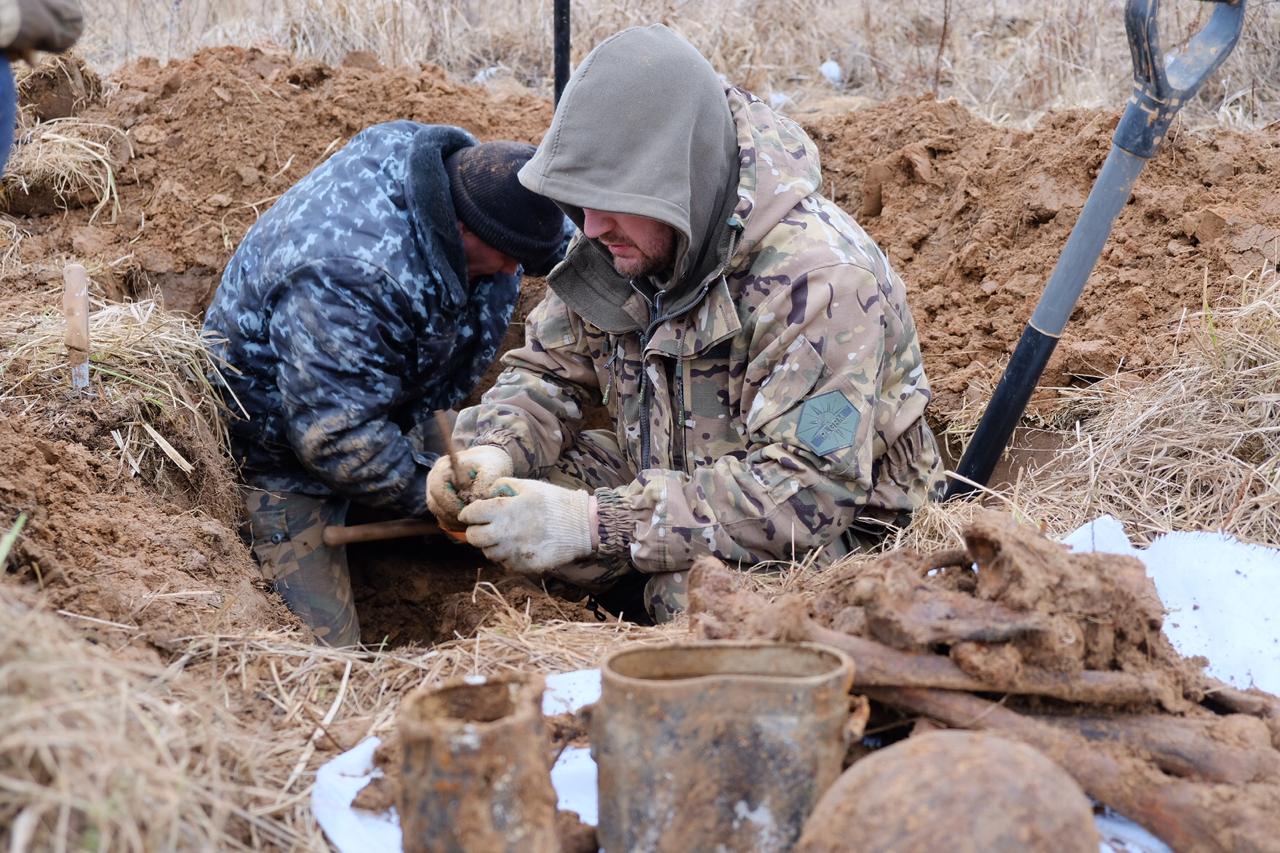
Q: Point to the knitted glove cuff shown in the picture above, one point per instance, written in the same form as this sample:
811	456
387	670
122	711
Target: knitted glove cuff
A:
567	535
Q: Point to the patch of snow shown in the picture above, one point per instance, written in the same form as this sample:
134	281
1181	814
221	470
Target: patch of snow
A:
574	778
568	691
337	783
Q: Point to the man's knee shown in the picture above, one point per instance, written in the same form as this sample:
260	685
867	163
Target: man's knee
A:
286	536
666	595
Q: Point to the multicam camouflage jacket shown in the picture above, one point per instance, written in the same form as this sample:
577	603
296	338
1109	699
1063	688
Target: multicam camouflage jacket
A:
347	318
785	406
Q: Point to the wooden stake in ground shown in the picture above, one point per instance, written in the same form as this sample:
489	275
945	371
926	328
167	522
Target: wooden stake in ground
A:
75	307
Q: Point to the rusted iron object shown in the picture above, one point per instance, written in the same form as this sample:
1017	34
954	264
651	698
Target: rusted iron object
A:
717	745
964	792
475	769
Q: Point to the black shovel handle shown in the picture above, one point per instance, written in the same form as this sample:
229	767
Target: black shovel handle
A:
1160	87
1162	84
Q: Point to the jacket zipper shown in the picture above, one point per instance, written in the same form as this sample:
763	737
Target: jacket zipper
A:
610	366
655	318
678	428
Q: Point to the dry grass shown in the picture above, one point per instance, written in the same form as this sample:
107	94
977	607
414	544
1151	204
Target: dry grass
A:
216	750
1195	445
1007	61
150	391
70	159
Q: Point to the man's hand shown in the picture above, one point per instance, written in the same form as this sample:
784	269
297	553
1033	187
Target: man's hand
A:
530	526
480	468
49	25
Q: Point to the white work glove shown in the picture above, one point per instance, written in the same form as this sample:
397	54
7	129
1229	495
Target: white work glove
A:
530	526
481	467
50	25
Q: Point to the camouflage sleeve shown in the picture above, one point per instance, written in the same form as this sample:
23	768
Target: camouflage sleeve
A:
535	406
808	406
340	375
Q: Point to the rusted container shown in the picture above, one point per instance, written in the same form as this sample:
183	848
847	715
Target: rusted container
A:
475	769
717	745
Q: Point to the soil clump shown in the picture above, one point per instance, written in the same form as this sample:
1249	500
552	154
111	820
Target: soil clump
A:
106	547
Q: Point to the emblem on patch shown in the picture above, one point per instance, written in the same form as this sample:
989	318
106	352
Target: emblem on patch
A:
828	422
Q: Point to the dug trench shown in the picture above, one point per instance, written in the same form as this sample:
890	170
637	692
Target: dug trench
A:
972	215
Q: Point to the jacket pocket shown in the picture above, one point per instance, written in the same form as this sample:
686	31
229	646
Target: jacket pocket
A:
797	372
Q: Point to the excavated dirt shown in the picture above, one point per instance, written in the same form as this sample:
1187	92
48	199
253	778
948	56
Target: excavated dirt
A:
104	547
974	216
1031	612
217	138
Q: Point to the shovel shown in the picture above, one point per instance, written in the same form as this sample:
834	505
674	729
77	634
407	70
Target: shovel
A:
1162	83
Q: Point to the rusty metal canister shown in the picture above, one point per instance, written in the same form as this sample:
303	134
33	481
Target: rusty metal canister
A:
717	745
475	768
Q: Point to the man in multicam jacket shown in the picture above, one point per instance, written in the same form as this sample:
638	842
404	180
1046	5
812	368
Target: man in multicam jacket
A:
749	339
374	293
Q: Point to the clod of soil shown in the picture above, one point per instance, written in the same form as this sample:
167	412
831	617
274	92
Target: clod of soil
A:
59	87
1031	605
956	791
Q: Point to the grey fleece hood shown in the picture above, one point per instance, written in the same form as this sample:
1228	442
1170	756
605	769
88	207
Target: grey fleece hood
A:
644	128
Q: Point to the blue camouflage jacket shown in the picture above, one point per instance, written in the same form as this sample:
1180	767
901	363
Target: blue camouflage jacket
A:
347	319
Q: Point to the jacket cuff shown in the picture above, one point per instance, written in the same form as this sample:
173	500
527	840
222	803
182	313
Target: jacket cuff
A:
615	524
521	466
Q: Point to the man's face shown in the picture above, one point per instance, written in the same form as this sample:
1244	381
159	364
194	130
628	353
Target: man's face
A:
483	259
640	246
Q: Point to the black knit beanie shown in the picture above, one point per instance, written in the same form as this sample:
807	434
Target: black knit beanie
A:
492	203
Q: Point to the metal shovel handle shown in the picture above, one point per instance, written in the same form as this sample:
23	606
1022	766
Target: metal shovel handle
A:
1160	87
1162	84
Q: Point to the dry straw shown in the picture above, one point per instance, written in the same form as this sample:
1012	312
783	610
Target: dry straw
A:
150	376
218	749
70	158
1196	445
1006	60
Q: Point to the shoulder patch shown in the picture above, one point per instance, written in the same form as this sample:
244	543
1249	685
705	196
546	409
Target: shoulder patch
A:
828	422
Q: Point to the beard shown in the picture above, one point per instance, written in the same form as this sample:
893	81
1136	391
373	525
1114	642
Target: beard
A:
654	258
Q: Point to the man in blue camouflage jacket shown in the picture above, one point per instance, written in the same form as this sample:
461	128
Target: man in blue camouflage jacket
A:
374	293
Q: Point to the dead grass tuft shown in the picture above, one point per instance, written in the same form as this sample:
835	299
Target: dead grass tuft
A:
1195	445
69	160
150	393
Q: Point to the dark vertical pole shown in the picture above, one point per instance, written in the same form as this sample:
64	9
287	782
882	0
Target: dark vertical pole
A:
561	18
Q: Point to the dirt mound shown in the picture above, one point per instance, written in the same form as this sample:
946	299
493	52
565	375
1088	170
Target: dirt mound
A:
103	546
974	216
215	139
